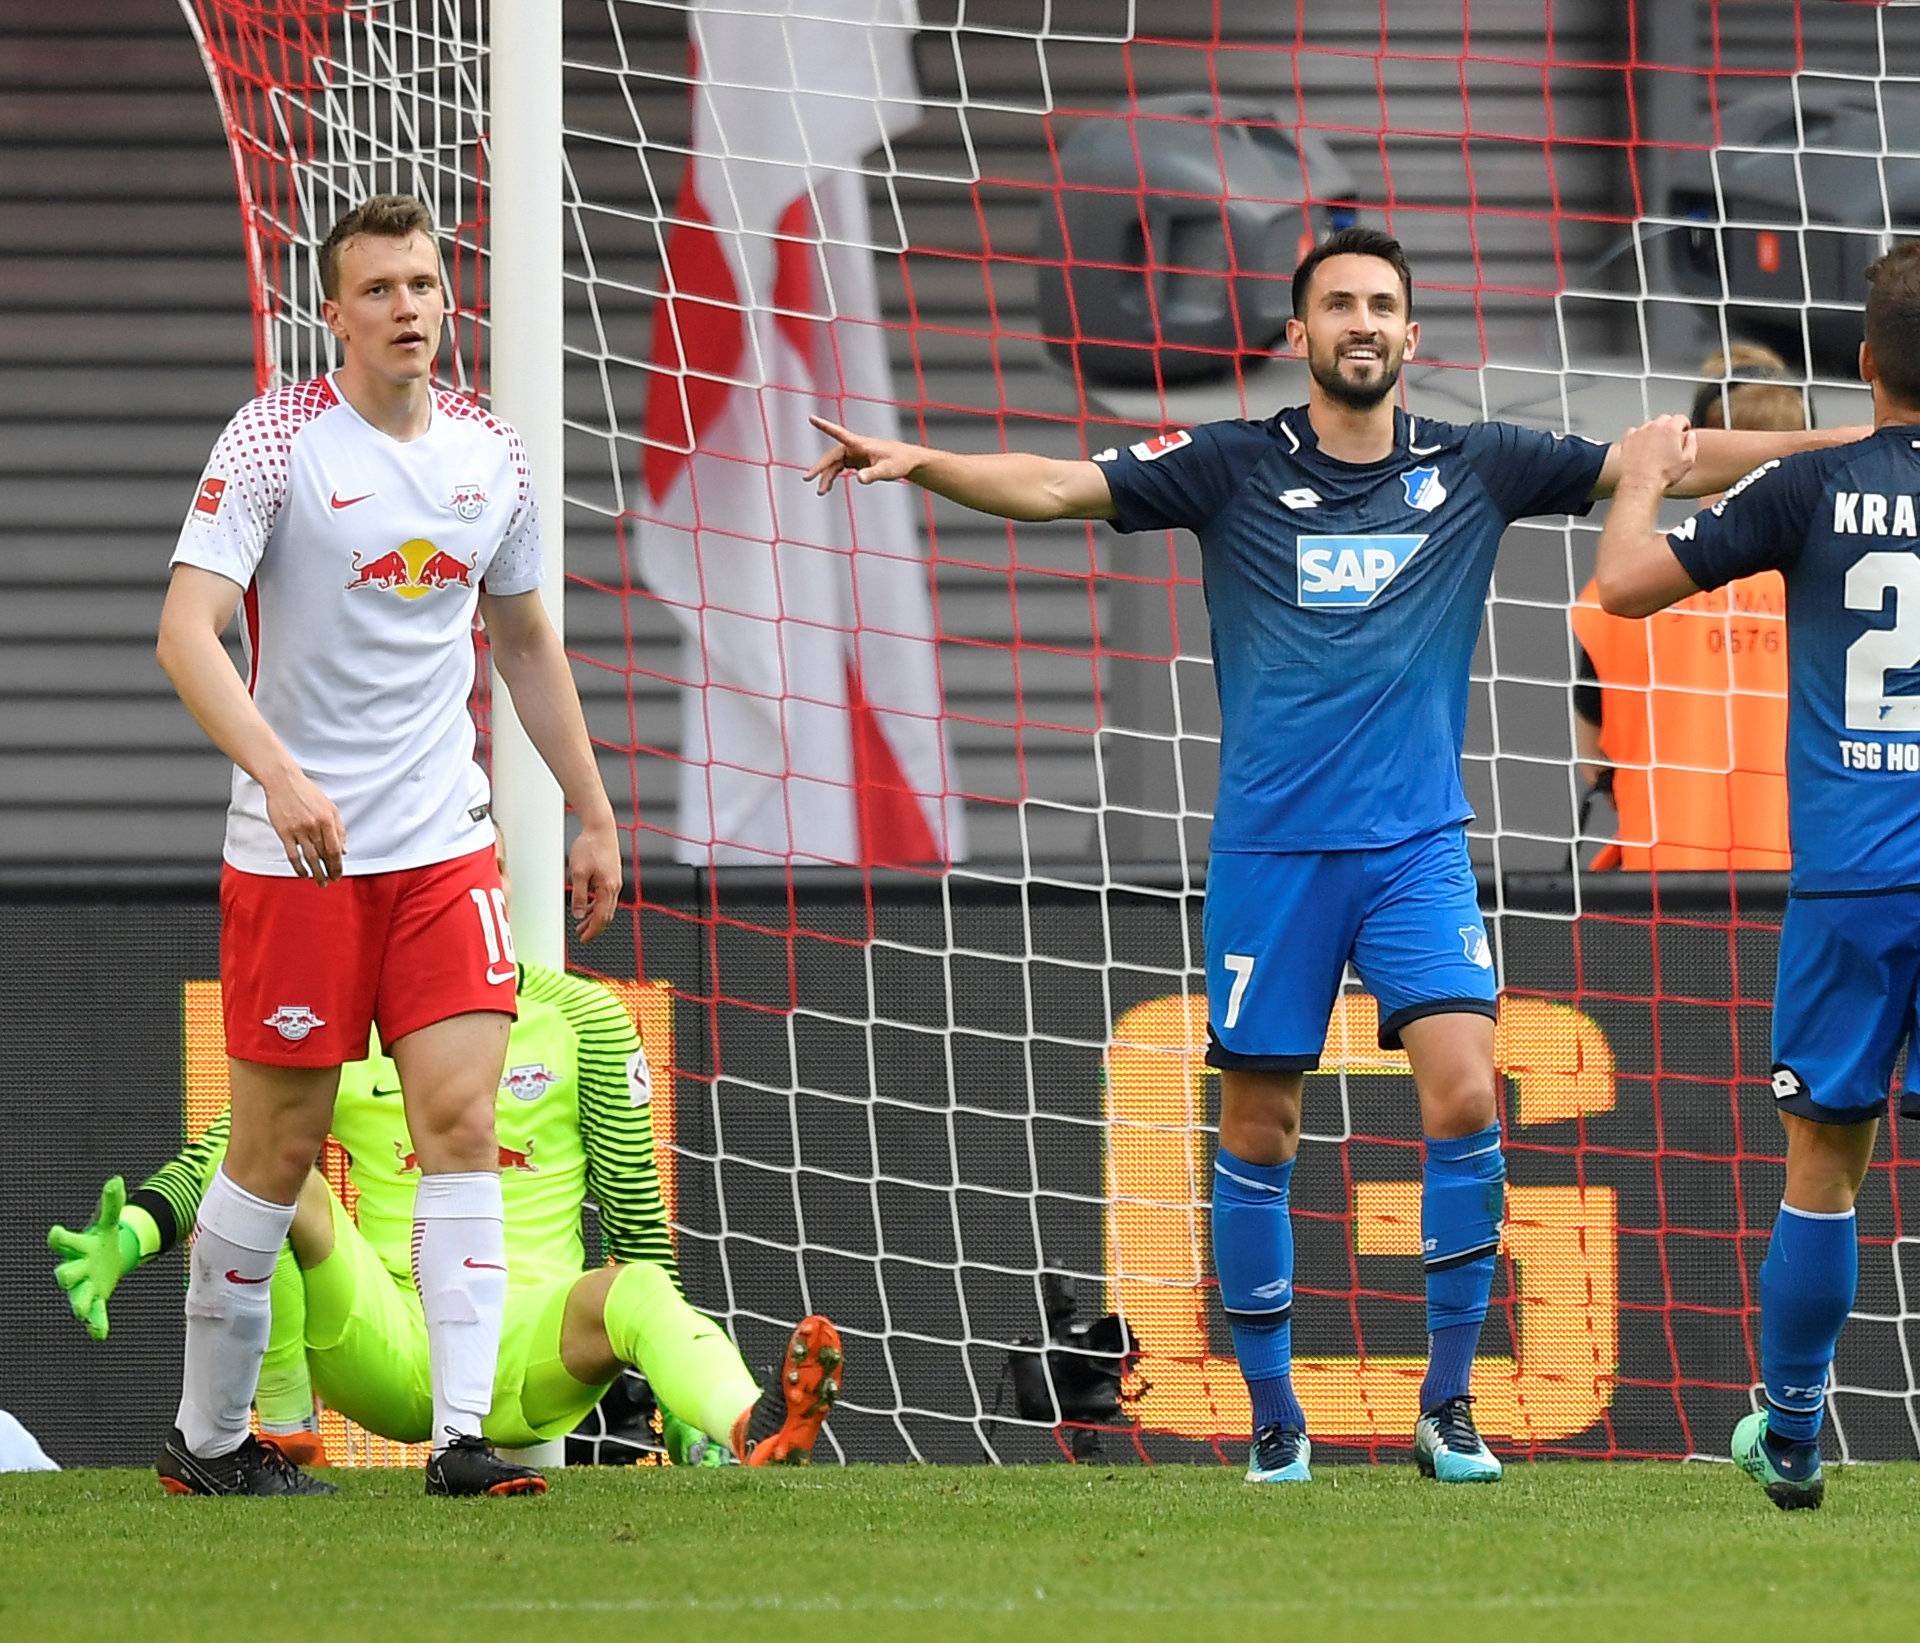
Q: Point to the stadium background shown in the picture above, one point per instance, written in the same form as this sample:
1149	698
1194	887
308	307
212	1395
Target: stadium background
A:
896	1099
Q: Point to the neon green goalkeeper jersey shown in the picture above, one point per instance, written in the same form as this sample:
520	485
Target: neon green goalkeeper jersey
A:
573	1120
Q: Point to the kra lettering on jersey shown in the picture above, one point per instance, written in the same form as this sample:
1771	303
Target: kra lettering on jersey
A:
1350	572
1870	513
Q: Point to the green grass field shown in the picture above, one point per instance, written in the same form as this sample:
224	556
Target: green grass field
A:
1562	1552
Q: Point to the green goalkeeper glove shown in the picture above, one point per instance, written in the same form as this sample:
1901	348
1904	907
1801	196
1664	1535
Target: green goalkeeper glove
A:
97	1259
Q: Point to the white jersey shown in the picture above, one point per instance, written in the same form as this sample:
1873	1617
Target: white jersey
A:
362	557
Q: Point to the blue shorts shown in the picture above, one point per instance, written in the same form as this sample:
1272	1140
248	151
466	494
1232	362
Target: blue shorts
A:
1846	1002
1279	930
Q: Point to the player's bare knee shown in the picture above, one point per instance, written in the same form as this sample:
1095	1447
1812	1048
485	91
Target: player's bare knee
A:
1459	1105
1826	1163
311	1234
1260	1115
453	1141
586	1351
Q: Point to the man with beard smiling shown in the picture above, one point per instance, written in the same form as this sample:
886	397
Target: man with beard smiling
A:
1347	549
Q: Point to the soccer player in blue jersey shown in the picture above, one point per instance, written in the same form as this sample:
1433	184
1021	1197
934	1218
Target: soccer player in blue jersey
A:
1347	550
1841	526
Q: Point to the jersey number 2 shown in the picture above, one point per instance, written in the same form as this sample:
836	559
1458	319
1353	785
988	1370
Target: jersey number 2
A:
1879	650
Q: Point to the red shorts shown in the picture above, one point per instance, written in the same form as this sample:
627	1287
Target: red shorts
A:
306	970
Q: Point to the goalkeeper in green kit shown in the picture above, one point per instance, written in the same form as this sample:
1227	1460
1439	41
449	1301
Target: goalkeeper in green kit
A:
573	1120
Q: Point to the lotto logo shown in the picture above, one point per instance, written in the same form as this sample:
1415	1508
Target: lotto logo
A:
206	504
1350	572
1786	1084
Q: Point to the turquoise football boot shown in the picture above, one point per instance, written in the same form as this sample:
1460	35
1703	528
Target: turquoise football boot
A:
1448	1448
1280	1454
1791	1477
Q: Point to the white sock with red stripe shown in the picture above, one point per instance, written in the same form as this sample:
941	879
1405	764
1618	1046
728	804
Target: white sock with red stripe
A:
460	1269
236	1240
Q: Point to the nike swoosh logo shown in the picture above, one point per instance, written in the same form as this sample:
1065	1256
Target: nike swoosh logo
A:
337	501
235	1278
483	1266
377	1091
499	973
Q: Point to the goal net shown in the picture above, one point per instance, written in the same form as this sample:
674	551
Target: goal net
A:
918	801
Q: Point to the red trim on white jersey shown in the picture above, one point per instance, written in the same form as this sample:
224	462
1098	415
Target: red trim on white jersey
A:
250	609
448	403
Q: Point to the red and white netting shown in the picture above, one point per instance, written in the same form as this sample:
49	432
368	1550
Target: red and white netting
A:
918	801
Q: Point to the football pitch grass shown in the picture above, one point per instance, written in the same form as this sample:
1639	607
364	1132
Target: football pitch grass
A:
1563	1552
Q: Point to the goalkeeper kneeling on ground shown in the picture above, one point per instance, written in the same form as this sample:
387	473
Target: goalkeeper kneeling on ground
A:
573	1121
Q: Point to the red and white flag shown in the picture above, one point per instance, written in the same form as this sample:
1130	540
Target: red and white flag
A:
813	728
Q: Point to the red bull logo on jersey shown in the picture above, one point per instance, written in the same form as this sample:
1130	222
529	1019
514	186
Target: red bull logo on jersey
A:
412	570
529	1083
1350	572
515	1158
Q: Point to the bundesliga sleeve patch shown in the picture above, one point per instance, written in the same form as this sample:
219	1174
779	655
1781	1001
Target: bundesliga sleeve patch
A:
1151	450
206	504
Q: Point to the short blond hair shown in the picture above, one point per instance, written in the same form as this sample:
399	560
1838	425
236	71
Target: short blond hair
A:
390	216
1760	391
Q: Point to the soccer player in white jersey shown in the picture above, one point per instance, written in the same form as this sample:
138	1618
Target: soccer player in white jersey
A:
357	521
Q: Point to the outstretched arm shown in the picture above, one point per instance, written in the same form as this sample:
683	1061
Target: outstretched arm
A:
1008	484
1725	455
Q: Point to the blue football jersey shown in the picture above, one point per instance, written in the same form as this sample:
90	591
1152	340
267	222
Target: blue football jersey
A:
1841	525
1344	600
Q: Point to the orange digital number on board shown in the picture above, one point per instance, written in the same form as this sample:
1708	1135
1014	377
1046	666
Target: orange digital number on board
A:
1561	1240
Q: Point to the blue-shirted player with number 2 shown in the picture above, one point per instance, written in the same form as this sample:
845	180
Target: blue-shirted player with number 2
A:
1844	528
1347	551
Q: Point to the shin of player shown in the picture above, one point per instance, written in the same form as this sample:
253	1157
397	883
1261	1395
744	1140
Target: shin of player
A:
1253	1257
1808	1278
450	1072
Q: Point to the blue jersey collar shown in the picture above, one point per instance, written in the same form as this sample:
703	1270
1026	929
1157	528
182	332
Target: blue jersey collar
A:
1296	433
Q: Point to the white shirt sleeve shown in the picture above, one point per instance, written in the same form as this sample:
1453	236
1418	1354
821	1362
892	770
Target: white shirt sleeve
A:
518	564
240	494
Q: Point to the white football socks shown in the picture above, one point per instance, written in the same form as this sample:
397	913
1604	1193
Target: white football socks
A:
236	1239
460	1269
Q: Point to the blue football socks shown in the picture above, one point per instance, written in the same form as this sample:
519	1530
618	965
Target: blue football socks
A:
1806	1291
1462	1203
1253	1256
